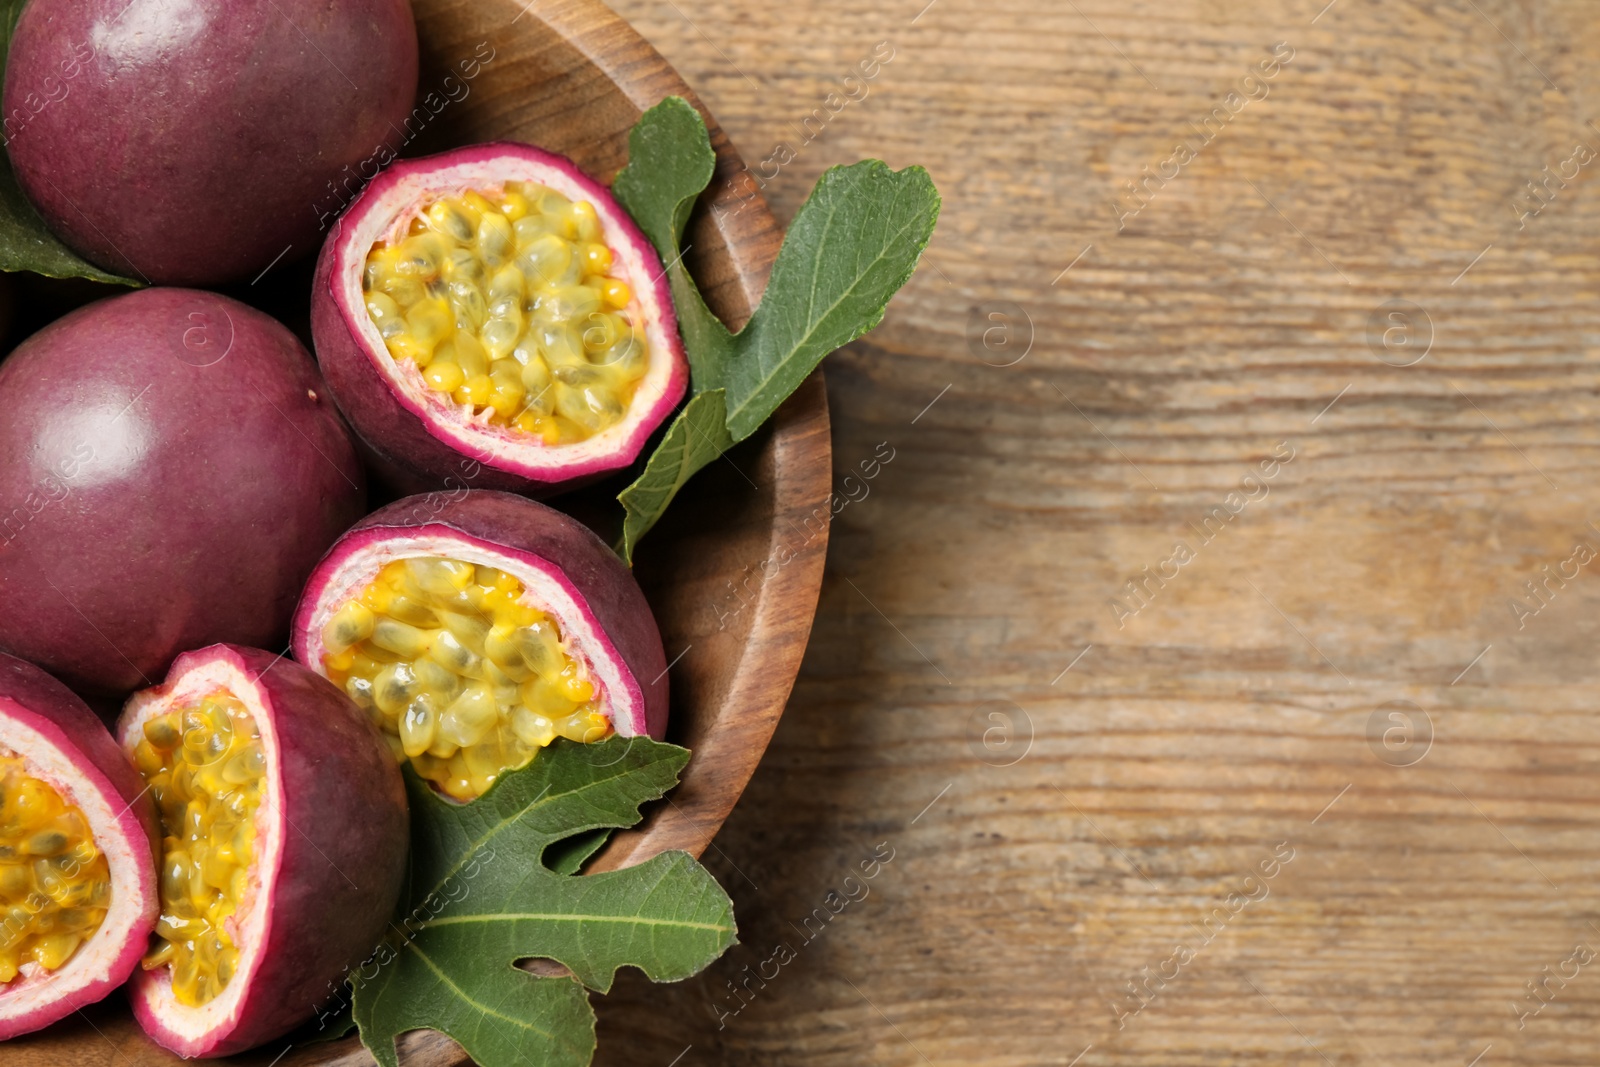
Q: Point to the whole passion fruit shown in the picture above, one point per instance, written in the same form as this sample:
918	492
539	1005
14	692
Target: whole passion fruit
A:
283	821
495	303
171	467
194	143
77	850
476	630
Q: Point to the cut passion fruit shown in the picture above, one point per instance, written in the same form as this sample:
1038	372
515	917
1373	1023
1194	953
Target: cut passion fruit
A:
495	305
475	631
283	823
204	765
463	675
77	877
54	883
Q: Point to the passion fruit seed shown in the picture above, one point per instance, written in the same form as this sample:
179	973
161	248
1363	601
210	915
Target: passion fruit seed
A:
205	767
55	885
465	679
504	302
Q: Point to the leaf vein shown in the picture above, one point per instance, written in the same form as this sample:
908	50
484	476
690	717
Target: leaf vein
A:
536	916
815	325
467	998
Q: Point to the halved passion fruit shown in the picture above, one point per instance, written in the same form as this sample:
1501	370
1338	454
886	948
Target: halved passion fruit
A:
77	849
494	304
283	823
477	630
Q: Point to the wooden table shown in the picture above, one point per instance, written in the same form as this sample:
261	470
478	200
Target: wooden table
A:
1314	790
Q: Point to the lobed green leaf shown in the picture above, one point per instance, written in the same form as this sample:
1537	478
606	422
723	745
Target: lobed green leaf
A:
487	890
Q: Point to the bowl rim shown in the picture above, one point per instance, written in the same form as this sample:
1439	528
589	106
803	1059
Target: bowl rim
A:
735	214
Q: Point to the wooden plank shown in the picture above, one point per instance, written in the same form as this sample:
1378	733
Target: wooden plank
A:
1387	160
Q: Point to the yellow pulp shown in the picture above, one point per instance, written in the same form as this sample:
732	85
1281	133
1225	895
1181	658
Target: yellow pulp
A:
206	769
54	883
504	302
465	679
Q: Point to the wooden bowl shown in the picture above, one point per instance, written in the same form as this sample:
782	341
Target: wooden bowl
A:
570	76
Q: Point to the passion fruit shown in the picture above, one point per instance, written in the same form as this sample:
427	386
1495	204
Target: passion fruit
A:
283	847
195	144
171	467
476	630
77	849
496	303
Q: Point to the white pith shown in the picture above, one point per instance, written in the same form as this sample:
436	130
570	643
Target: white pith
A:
387	216
252	919
42	759
546	590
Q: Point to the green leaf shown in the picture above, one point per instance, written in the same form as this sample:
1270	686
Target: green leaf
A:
483	895
696	437
25	242
853	244
670	161
569	856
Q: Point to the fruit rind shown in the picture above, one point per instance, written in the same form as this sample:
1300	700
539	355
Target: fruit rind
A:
573	575
67	745
330	851
387	402
194	144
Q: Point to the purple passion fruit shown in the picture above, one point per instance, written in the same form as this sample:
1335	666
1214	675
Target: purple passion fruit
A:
494	304
77	854
283	821
172	468
193	144
475	631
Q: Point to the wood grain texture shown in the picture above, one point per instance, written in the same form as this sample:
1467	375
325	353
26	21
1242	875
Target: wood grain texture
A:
570	76
1224	318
